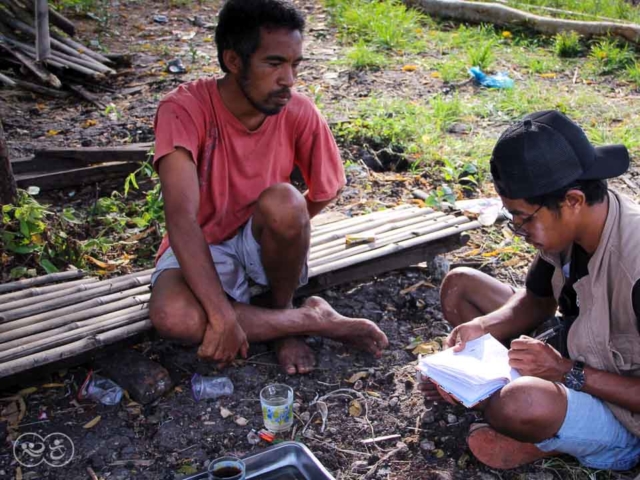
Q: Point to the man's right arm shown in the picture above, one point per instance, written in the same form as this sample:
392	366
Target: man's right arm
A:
180	190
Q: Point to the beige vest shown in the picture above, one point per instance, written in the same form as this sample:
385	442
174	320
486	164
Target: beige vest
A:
605	334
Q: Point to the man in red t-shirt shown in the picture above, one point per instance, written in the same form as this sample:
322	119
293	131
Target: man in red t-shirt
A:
225	149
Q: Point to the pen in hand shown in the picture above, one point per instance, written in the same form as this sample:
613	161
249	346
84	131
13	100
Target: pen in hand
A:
547	334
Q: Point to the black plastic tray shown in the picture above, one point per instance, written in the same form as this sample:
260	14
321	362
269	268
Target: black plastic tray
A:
284	461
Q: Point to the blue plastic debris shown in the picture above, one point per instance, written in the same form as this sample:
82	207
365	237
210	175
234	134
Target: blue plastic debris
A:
500	80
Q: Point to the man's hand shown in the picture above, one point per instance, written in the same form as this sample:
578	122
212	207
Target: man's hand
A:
432	392
534	358
222	341
464	333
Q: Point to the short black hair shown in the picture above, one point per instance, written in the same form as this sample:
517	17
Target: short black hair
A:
240	21
595	191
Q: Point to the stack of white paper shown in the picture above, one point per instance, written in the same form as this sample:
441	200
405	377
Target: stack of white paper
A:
472	374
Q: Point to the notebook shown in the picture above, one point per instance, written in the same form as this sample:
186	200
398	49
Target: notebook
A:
473	374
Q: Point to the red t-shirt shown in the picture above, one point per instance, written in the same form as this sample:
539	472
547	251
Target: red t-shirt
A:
234	164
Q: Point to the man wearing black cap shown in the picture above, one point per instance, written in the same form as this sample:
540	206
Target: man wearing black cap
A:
585	403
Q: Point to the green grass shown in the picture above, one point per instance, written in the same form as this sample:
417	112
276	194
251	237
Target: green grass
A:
386	24
610	56
633	73
362	56
616	9
480	55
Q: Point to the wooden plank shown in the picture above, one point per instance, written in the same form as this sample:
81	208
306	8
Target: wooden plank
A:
76	176
135	152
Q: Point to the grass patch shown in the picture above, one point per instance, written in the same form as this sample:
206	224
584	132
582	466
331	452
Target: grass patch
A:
480	55
567	44
633	73
610	56
386	24
362	56
617	9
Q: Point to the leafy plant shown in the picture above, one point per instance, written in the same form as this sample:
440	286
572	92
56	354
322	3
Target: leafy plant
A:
633	73
480	55
567	44
610	56
441	197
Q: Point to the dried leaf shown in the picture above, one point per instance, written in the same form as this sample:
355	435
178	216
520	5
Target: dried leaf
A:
427	348
548	75
52	133
53	385
27	391
90	123
355	408
92	423
100	263
357	376
409	68
242	421
224	413
23	409
372	393
413	287
438	453
414	343
11	414
178	389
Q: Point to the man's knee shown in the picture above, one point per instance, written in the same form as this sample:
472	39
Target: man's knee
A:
457	284
526	408
178	319
283	210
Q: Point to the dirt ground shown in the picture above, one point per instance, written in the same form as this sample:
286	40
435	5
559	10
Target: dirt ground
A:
175	436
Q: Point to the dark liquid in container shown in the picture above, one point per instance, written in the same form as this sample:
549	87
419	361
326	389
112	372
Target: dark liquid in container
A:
226	472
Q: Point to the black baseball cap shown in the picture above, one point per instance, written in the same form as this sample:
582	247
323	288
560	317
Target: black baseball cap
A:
547	151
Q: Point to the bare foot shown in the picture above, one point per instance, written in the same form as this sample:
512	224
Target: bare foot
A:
359	332
295	356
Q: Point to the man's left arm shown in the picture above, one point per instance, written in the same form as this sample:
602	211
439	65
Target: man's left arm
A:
318	158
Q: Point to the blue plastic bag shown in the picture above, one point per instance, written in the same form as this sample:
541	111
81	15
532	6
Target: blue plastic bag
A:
500	80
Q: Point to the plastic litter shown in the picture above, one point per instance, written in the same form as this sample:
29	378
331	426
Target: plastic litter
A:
176	66
160	19
486	209
500	80
210	387
100	389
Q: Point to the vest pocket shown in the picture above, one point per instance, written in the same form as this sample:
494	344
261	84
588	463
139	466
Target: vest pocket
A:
625	350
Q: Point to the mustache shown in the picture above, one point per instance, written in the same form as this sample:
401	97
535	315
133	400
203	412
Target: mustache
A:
281	93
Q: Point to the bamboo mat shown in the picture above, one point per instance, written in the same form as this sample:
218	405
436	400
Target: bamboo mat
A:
59	316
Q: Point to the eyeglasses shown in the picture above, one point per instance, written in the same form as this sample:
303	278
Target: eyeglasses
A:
517	227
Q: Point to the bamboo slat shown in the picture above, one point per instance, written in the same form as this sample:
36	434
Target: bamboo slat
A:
72	349
37	291
392	248
43	280
70	298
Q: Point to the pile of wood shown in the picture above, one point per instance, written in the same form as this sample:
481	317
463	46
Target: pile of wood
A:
36	41
43	323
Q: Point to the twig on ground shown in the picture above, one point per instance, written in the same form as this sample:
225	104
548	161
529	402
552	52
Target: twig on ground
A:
400	448
350	452
92	474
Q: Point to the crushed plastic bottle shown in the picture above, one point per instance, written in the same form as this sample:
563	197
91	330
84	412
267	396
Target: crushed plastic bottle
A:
500	80
100	389
210	387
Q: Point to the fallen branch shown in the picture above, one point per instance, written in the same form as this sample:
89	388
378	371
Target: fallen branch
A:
42	74
502	15
32	87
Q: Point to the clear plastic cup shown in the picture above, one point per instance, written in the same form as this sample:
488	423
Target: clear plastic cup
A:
226	468
277	407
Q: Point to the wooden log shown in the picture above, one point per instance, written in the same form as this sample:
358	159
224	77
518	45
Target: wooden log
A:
56	300
363	226
77	176
73	349
40	72
72	326
11	82
419	231
89	97
393	248
56	339
135	152
56	18
8	191
504	16
26	29
43	39
42	280
82	49
48	322
339	244
35	292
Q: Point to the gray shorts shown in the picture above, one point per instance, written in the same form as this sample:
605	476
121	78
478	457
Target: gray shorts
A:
237	261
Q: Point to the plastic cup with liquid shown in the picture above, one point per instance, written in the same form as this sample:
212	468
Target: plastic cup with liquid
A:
226	468
277	407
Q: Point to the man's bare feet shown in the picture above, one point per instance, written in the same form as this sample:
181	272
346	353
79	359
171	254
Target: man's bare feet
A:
295	356
359	332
